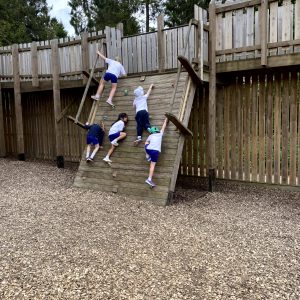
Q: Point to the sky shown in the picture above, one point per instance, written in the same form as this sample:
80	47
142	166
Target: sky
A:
61	11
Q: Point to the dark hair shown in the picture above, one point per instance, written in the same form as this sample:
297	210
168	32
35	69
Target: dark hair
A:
120	117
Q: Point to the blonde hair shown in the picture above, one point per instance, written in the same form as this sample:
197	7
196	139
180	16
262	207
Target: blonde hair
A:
118	59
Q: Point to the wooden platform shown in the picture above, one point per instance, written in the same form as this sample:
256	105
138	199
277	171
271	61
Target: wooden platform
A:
129	169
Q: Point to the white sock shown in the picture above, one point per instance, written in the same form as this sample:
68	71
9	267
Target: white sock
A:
150	178
109	100
139	137
93	154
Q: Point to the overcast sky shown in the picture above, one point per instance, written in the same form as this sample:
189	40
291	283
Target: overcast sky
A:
61	11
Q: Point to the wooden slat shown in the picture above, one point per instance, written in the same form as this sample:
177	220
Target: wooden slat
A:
233	132
254	123
297	25
293	128
34	64
220	129
247	116
298	109
264	31
2	136
285	126
250	29
201	131
277	127
195	133
269	129
273	38
160	43
240	130
226	133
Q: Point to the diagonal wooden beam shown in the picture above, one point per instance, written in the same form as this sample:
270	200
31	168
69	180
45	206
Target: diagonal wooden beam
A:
187	65
183	129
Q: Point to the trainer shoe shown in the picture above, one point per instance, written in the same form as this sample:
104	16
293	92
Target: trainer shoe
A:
106	159
136	142
115	143
109	102
150	182
95	97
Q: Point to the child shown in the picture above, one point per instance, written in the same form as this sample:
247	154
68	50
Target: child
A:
94	137
114	71
142	115
153	149
115	134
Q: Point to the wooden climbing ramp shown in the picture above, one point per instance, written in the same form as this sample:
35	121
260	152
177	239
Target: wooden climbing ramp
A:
127	174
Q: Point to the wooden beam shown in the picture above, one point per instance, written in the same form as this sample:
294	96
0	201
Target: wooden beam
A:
264	32
57	104
160	43
186	64
70	118
34	64
84	54
212	96
88	75
18	104
2	137
183	129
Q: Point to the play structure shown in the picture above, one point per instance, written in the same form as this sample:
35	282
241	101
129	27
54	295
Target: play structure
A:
229	88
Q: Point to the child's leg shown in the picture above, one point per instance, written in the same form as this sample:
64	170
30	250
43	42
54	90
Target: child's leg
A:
88	150
112	92
147	124
95	151
122	136
139	125
100	89
151	170
109	153
100	139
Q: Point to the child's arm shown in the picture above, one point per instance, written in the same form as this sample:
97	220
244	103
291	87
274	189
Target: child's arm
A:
150	89
101	55
102	126
164	126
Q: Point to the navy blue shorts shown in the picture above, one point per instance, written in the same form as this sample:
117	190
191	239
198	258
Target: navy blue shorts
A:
91	140
114	136
154	154
110	77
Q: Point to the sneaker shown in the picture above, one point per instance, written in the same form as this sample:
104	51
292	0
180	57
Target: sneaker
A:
95	97
136	142
150	182
88	159
109	102
115	143
106	159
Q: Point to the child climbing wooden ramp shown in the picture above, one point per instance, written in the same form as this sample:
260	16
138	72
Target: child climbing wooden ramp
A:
129	169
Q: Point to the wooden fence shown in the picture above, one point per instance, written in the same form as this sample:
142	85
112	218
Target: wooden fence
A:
250	29
257	130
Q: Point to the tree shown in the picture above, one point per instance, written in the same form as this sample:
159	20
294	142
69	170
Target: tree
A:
23	21
179	12
94	15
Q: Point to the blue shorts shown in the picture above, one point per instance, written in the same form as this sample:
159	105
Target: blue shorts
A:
154	154
91	140
110	77
114	136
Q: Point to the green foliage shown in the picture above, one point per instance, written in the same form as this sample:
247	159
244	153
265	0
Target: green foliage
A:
179	12
23	21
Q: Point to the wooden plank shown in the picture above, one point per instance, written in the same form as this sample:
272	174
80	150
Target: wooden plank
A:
186	64
285	126
277	128
298	109
220	107
228	34
227	132
183	129
233	131
160	43
57	104
254	118
201	131
84	54
269	129
212	96
2	134
264	31
247	128
250	30
293	128
196	133
286	24
18	104
273	26
297	26
240	129
34	64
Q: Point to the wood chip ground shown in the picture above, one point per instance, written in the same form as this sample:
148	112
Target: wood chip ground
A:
61	242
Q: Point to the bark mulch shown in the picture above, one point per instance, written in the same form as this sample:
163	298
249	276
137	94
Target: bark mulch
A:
60	242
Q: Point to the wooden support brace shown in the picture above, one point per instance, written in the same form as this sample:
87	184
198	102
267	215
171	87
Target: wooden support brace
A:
77	123
183	129
186	64
94	80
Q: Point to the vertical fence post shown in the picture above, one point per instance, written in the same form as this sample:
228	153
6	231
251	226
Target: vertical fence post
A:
109	51
2	137
212	97
84	54
18	104
160	43
119	33
198	15
34	64
263	31
57	103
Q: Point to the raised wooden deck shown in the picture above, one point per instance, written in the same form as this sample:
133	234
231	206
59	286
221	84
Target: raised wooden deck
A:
129	169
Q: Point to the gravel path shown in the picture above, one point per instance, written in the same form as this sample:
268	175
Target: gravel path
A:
59	242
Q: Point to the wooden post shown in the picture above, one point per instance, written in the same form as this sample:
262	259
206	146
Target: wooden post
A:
18	104
198	15
34	64
160	43
57	103
84	54
263	32
2	137
212	98
109	47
